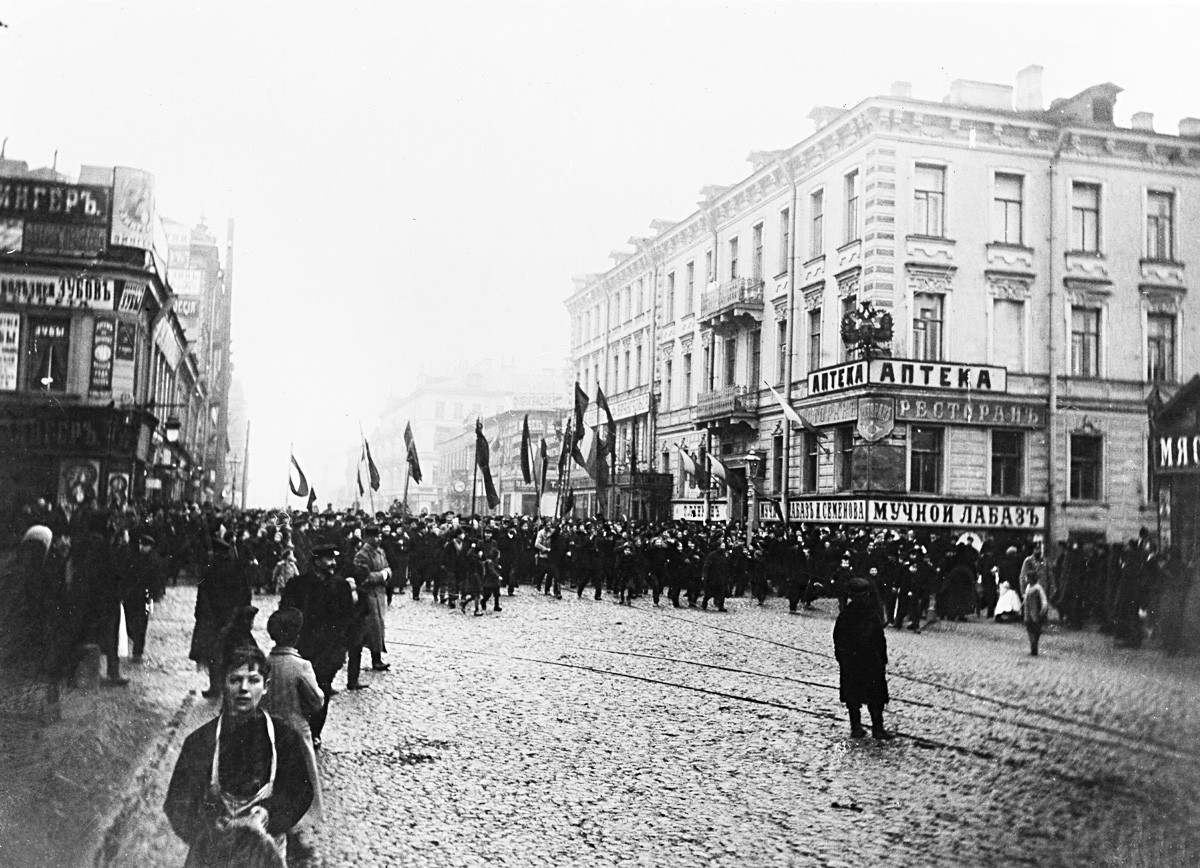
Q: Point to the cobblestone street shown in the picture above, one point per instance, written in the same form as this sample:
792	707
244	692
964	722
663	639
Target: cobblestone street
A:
576	732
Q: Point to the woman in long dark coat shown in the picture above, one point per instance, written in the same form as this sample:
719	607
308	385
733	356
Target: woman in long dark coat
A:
861	651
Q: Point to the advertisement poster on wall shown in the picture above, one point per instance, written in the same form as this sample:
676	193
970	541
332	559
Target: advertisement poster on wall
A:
133	213
102	356
10	342
117	488
78	480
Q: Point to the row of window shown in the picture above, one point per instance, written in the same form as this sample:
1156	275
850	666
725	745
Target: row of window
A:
927	462
929	219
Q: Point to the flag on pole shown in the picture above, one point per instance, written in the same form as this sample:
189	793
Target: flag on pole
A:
483	460
372	470
527	472
581	403
410	446
687	462
778	510
602	404
790	412
300	489
540	466
721	473
312	499
565	453
361	491
702	477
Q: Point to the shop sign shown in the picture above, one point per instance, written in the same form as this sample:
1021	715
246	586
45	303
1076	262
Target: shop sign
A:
828	511
53	201
89	434
876	418
970	411
902	372
1177	453
622	408
945	513
132	294
694	511
10	344
102	356
64	238
831	412
58	291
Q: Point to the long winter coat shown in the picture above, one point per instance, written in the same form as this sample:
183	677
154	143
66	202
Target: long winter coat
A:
861	651
328	608
371	572
222	590
292	695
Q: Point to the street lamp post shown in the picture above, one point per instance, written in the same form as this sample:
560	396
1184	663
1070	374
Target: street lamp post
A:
752	485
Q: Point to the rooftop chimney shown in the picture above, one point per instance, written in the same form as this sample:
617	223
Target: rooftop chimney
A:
902	89
1029	89
1143	121
1190	128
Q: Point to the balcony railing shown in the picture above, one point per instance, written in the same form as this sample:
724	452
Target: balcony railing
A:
740	295
730	402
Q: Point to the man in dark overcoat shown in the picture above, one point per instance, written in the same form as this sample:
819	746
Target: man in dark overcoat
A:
327	602
222	591
861	651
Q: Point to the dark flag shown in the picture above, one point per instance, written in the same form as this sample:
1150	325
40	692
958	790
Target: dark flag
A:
299	489
541	465
569	502
778	511
602	404
312	500
372	470
361	491
410	446
703	480
526	449
565	452
581	403
483	460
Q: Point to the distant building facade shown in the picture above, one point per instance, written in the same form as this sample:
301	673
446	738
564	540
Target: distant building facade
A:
1034	266
441	406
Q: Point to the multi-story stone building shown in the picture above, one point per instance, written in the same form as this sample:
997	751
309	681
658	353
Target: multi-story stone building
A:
101	398
1034	266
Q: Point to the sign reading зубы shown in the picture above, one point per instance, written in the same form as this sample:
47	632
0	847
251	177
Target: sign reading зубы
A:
903	372
914	513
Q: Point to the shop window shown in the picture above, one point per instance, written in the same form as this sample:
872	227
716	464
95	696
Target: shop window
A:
926	459
48	354
1008	462
1085	466
844	437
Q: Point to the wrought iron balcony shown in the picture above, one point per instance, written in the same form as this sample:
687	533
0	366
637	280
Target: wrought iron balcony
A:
725	406
732	300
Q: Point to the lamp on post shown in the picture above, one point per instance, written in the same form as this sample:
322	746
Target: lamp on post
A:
171	429
752	460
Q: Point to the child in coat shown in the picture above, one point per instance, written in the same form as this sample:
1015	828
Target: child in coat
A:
293	695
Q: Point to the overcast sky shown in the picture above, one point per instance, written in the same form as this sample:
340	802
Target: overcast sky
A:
416	183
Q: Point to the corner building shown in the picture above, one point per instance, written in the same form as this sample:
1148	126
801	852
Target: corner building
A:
1033	261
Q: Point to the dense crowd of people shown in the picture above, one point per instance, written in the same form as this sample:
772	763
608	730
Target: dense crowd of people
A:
337	572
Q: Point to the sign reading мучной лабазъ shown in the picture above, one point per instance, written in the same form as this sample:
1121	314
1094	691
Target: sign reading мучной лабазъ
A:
918	513
905	372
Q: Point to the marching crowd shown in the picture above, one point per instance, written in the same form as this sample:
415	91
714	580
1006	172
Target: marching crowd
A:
246	779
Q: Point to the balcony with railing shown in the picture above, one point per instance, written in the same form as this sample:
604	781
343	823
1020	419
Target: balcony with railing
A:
728	405
732	301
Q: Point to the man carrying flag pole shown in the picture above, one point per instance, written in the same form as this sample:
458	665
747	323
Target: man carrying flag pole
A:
412	463
483	465
609	450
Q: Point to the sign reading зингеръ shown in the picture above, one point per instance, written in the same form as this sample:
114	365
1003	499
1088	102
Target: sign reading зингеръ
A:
903	372
54	202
